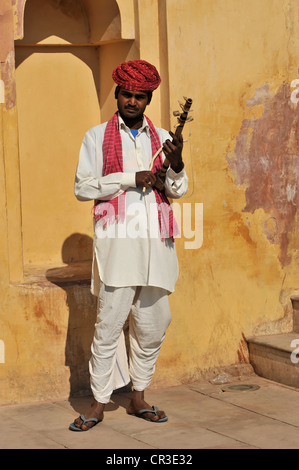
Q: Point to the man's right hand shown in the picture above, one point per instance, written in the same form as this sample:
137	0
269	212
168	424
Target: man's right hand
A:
146	179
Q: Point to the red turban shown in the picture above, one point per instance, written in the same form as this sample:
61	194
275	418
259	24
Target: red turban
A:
137	75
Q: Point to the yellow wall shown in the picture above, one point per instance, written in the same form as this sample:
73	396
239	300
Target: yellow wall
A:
236	60
239	283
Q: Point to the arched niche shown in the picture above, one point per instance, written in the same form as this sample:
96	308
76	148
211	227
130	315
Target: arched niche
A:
54	22
63	82
109	20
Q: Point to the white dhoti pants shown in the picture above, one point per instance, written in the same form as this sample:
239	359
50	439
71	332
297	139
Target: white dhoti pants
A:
149	319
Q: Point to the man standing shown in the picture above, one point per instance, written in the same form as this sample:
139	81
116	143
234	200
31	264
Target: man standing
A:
135	264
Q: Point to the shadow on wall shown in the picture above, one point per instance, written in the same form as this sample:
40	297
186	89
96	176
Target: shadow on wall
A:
74	279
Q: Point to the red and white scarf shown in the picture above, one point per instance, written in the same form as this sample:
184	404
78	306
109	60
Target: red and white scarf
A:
114	209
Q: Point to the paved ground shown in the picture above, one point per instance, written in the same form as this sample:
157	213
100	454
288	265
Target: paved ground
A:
201	416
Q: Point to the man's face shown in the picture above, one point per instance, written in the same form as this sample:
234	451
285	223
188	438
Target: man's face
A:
131	104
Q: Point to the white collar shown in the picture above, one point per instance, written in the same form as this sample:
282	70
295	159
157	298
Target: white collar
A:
144	127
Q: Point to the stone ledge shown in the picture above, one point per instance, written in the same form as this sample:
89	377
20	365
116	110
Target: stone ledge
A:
72	273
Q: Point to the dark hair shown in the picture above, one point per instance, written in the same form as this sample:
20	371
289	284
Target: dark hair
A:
149	94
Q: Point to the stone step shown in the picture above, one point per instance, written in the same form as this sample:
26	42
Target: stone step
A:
276	357
295	305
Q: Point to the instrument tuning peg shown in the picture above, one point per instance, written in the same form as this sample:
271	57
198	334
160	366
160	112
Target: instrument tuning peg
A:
189	119
176	113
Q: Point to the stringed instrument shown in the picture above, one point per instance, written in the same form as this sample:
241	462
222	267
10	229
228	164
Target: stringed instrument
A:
182	119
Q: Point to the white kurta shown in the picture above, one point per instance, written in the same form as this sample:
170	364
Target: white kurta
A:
128	253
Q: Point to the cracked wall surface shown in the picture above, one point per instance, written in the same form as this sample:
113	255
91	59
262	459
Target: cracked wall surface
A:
265	162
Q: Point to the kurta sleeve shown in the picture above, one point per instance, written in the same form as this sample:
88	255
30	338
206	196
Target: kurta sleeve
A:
176	184
89	182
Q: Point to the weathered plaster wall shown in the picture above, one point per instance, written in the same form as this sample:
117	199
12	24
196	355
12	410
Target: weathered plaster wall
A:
237	60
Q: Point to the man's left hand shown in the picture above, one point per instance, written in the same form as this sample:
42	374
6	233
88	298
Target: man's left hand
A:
173	152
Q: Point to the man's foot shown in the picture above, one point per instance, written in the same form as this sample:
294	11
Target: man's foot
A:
138	403
96	411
